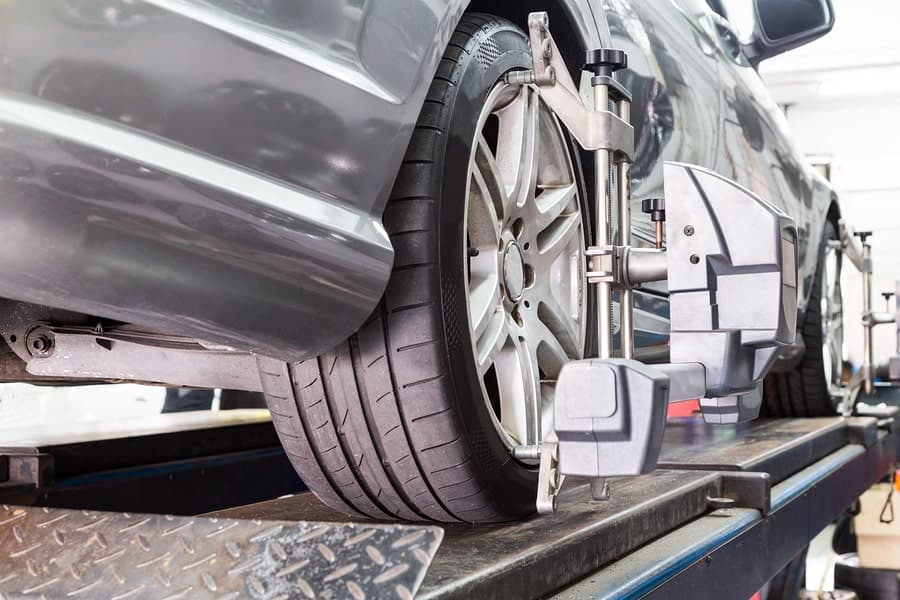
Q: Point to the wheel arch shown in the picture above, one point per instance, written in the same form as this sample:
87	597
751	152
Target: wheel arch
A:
834	210
575	30
571	33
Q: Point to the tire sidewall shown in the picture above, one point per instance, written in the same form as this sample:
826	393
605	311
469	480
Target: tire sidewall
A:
817	344
511	484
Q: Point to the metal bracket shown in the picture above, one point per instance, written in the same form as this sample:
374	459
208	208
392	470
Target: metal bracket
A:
125	353
550	480
748	490
862	431
856	248
603	264
592	129
25	466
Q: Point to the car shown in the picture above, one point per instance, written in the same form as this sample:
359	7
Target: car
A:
342	203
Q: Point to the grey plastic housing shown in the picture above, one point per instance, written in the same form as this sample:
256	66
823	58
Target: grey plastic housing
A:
732	260
609	416
737	408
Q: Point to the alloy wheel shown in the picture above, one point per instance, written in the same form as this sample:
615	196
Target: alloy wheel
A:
526	293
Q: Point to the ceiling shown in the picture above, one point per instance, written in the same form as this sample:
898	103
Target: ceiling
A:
859	59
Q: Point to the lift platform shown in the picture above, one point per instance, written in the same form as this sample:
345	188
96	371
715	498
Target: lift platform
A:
762	489
178	463
703	498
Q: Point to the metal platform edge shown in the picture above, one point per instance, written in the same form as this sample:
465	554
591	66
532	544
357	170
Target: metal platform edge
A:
700	559
662	535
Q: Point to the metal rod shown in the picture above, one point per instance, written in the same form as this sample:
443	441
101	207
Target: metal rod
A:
867	321
602	232
623	201
659	235
643	265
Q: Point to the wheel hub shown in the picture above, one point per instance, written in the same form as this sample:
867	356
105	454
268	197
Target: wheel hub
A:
513	272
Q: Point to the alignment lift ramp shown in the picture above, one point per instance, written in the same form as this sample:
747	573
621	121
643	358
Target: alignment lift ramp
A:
712	506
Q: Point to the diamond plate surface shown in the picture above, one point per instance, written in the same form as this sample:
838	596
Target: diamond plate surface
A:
55	553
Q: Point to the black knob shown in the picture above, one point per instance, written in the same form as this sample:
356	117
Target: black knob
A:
863	235
605	61
655	207
887	295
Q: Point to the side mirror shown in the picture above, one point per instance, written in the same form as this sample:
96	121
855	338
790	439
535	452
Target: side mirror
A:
782	25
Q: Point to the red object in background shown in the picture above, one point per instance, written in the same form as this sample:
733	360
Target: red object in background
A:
683	409
756	596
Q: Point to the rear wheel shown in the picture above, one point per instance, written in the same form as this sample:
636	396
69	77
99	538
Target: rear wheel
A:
811	389
416	415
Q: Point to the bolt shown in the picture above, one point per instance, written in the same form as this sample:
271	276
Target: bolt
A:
688	230
532	452
694	259
715	503
41	345
550	74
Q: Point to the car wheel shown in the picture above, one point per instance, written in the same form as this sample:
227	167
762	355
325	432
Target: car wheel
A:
812	388
417	414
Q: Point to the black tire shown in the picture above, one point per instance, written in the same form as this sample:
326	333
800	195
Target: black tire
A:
790	581
869	584
391	424
804	391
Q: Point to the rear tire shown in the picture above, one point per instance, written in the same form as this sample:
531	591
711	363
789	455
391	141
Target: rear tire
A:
394	422
807	390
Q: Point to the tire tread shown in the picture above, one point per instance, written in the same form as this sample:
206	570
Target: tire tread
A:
386	441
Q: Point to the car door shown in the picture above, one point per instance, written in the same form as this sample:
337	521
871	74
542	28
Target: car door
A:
758	151
673	76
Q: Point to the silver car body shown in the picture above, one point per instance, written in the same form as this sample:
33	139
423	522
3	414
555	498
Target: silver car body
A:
218	169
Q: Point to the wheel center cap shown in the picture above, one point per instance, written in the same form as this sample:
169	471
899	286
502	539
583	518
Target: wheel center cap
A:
513	272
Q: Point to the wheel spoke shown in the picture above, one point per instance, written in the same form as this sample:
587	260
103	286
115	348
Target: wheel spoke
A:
552	202
832	327
557	324
549	348
492	340
484	300
556	239
486	198
520	394
518	147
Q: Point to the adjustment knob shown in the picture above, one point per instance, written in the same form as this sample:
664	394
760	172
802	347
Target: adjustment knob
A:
655	207
863	235
887	296
604	61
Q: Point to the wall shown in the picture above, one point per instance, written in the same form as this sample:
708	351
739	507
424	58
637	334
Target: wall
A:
843	102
